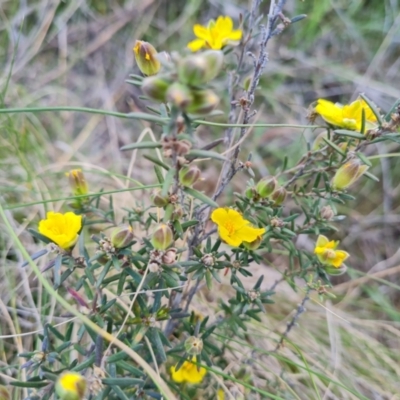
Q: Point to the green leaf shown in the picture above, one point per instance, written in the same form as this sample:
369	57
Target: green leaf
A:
141	145
29	384
371	176
333	145
352	134
156	161
168	182
373	107
200	196
392	110
197	153
122	382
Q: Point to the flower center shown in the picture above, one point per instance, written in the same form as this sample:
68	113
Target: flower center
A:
230	227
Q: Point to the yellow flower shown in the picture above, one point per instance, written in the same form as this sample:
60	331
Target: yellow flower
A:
71	386
188	372
233	228
327	253
62	229
347	116
220	394
215	35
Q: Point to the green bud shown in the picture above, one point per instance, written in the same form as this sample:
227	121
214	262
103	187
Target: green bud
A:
188	175
348	173
266	187
159	200
179	95
71	386
162	237
333	271
200	68
204	101
254	245
319	141
4	393
279	196
146	58
156	87
193	345
251	194
121	236
77	182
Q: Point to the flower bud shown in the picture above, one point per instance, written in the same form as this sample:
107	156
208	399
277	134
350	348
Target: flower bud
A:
193	345
159	200
319	141
348	173
200	68
254	245
204	101
146	58
327	213
279	196
4	393
334	271
156	87
188	175
71	386
162	237
77	182
121	236
169	257
266	187
208	260
179	95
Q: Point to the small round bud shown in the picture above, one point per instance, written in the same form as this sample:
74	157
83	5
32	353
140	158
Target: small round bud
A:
179	95
71	386
208	260
279	196
169	257
188	175
193	345
348	173
327	213
200	68
204	101
159	200
121	236
156	87
154	267
254	245
146	58
266	187
251	193
162	237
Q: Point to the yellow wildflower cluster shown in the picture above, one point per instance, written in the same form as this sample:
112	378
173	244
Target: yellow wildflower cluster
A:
71	386
348	116
216	35
233	228
62	229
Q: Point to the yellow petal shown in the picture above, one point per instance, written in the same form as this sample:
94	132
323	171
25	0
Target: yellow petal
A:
177	376
249	234
330	112
340	257
196	45
322	241
194	375
224	24
235	35
201	32
230	238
